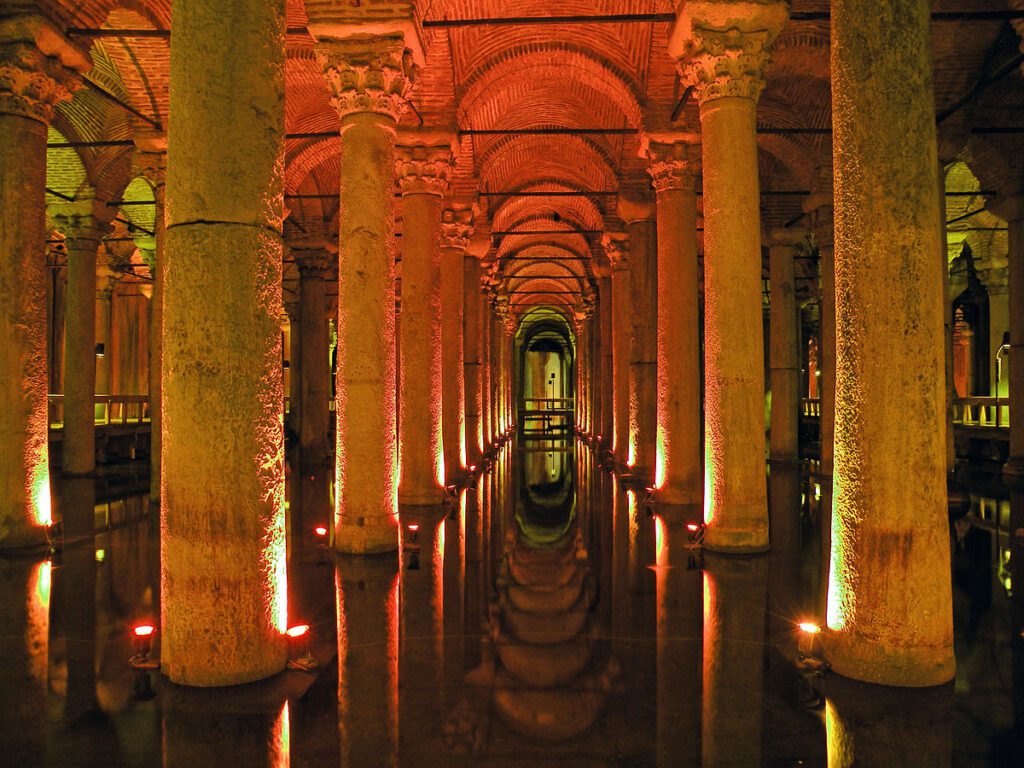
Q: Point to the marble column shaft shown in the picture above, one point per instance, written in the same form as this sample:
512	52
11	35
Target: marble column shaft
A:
472	359
784	352
643	349
422	179
315	372
1011	208
724	59
889	616
679	469
223	549
456	227
369	78
617	248
31	83
604	308
820	208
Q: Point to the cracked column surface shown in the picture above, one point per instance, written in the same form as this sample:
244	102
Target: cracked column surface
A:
78	447
31	83
456	227
422	165
889	610
678	473
369	78
223	586
616	246
722	52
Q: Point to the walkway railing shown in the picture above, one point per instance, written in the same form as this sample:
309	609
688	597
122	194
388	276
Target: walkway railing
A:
110	410
541	415
986	412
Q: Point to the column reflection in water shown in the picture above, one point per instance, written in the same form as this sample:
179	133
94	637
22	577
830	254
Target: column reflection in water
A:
546	685
310	581
420	658
78	585
474	585
1016	568
679	626
640	666
226	727
871	726
24	648
735	596
453	597
367	595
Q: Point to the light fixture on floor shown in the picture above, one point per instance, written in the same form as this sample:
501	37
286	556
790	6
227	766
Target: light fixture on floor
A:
142	645
696	532
299	656
100	349
320	531
809	646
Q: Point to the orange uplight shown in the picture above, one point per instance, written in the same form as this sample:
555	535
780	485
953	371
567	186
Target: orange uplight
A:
320	530
413	527
692	527
298	630
809	628
144	630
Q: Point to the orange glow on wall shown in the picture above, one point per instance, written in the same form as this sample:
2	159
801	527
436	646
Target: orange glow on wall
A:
40	494
659	459
276	558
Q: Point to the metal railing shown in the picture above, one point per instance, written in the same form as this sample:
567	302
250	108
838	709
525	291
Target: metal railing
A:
810	406
986	412
110	410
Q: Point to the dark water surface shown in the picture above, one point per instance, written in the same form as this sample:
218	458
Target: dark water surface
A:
545	619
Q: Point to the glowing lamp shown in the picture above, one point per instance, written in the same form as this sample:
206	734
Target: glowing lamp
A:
809	628
472	467
101	555
299	656
412	527
100	349
809	645
320	530
142	644
692	527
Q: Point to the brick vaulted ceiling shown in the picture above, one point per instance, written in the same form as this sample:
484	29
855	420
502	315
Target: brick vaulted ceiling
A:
548	76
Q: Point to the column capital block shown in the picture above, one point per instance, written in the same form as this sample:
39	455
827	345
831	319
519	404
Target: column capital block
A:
423	160
673	160
457	228
367	73
616	247
721	46
1007	206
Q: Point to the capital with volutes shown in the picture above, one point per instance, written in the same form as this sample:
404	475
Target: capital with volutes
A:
423	161
673	160
367	73
456	228
721	46
37	66
616	247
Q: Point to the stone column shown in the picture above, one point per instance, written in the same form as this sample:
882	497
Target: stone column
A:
580	368
617	247
422	178
84	238
315	375
472	359
32	81
638	211
106	281
604	308
1010	206
784	352
369	78
486	399
820	208
674	163
456	227
151	162
889	595
723	57
294	393
224	586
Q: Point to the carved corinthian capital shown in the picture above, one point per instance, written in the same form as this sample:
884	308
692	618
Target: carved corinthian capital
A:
456	228
32	83
368	73
672	164
721	46
616	247
423	168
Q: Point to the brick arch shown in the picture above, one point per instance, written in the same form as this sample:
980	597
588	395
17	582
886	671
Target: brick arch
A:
514	160
582	210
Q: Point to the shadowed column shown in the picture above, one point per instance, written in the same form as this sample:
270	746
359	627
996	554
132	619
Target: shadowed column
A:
472	355
784	352
456	228
616	246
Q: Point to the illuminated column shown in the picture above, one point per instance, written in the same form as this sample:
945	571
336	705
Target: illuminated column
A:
784	352
723	56
106	280
84	238
423	164
604	308
496	337
1011	208
616	245
820	208
224	591
639	214
31	83
486	415
369	78
471	335
368	609
456	227
674	162
294	310
315	374
581	364
889	594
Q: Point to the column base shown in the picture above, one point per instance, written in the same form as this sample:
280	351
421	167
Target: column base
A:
1013	469
356	538
872	660
735	540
